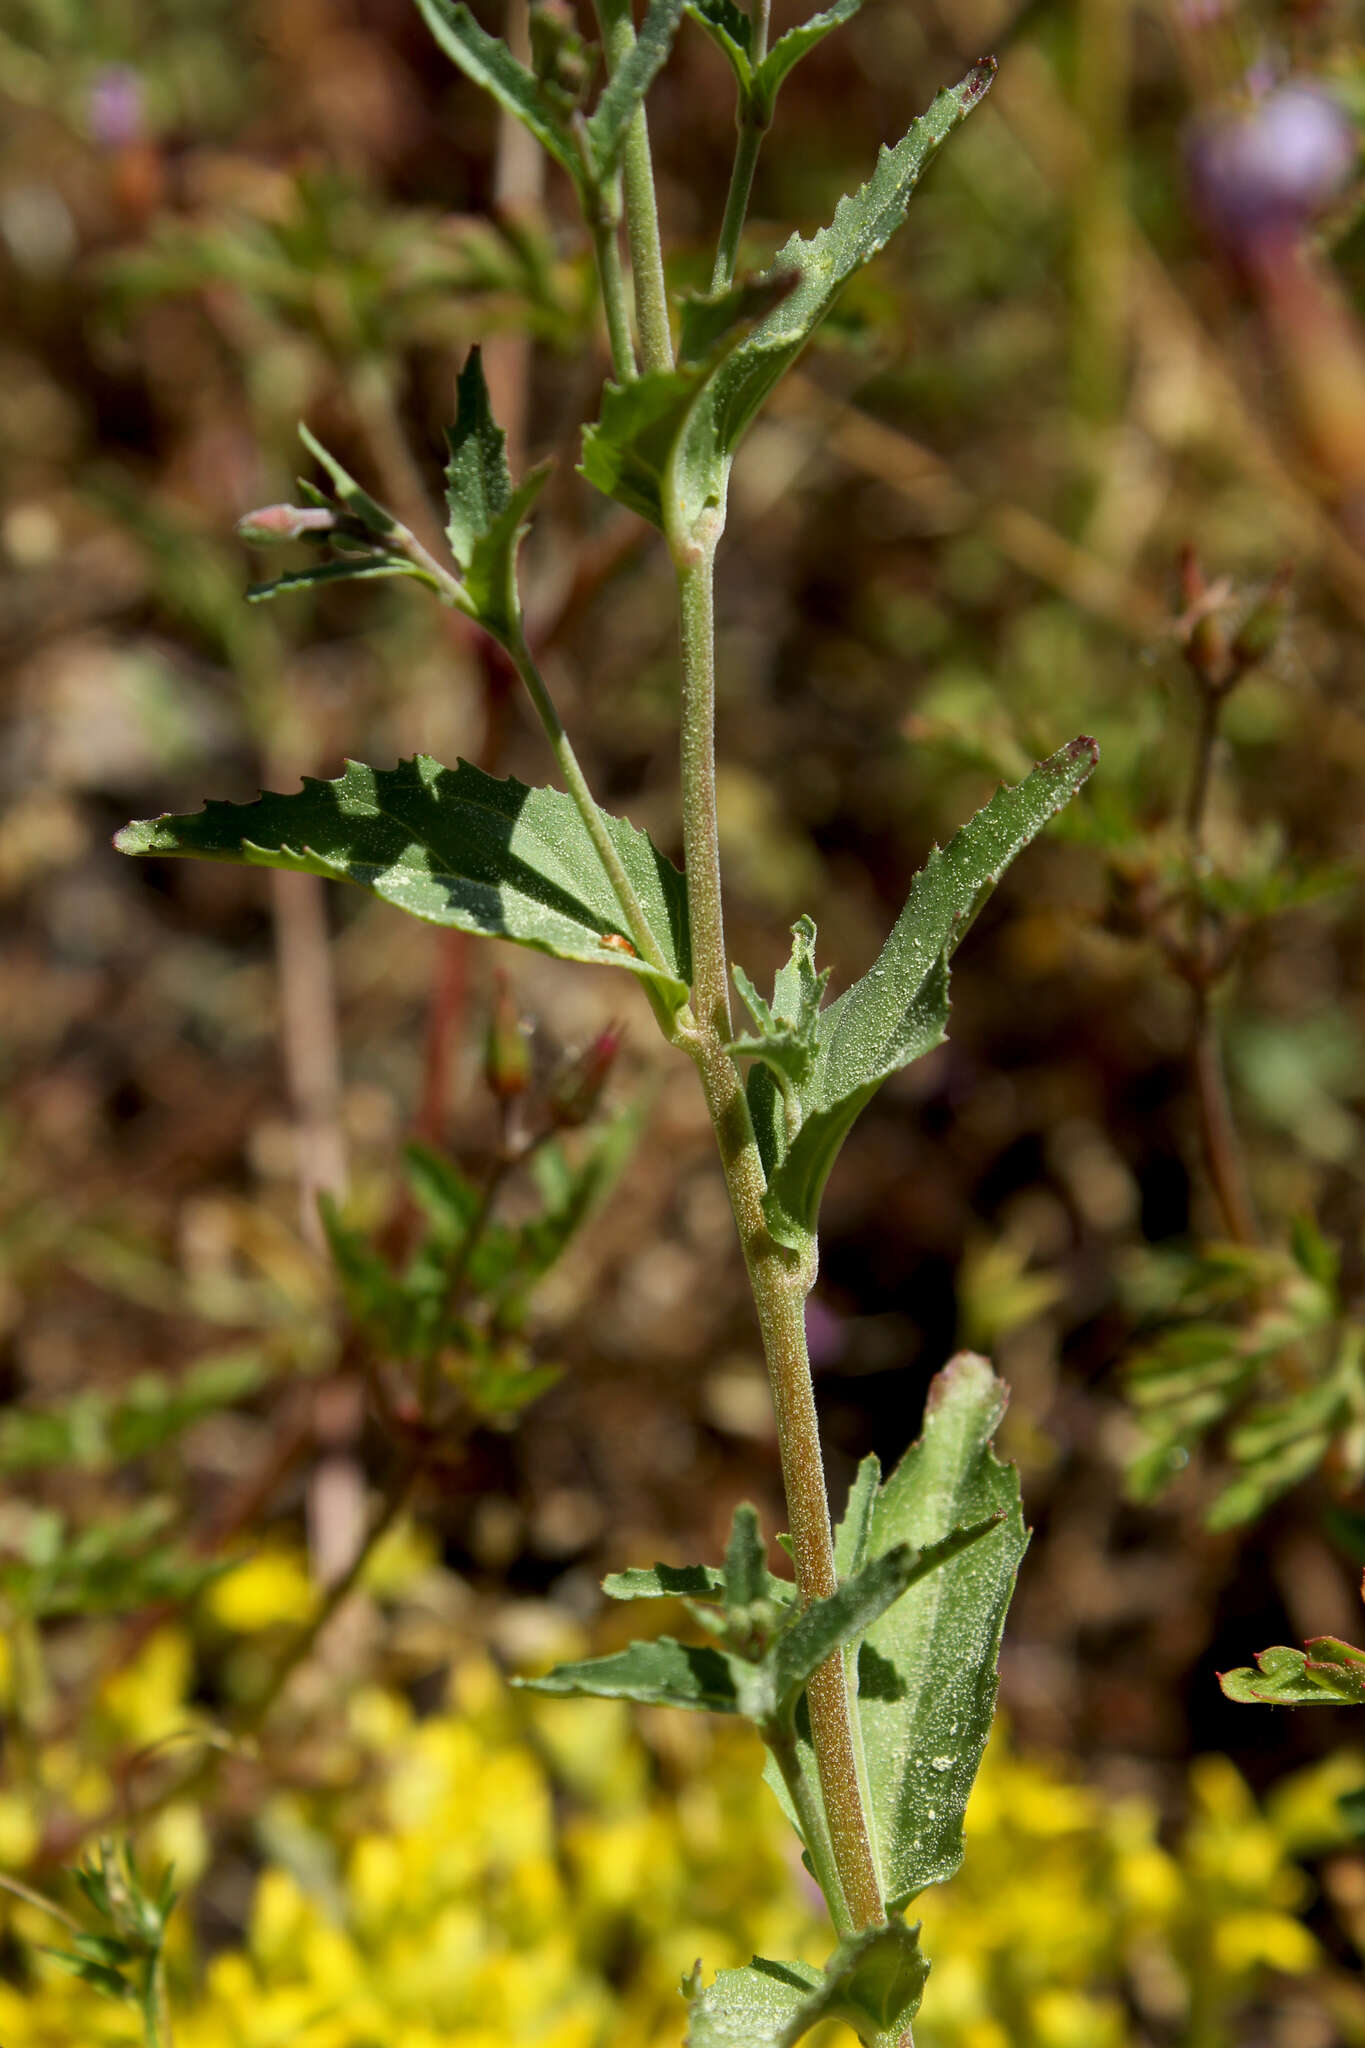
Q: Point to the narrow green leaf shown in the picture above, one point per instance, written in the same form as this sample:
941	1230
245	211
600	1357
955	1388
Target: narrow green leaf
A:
788	1028
1272	1475
454	846
729	29
746	1560
450	1199
662	1673
1330	1674
863	223
789	49
854	1533
356	570
625	90
358	503
899	1009
827	1625
666	1582
98	1975
873	1983
571	1196
490	64
926	1670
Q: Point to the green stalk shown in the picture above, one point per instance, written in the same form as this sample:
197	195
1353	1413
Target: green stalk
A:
642	212
566	760
779	1280
632	910
752	129
607	254
737	201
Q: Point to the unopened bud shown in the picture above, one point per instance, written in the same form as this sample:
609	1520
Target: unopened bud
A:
578	1086
274	523
1259	632
559	56
506	1053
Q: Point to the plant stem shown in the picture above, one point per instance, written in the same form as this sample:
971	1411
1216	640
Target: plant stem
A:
611	278
753	126
1218	1131
809	1813
638	925
701	839
642	212
737	200
575	782
780	1281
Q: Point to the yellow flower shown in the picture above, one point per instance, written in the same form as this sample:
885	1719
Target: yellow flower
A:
263	1591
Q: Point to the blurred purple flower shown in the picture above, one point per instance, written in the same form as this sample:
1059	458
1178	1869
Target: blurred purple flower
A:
1261	176
116	108
825	1335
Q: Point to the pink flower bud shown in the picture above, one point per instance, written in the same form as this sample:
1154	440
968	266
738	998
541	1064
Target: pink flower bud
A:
578	1086
275	523
506	1053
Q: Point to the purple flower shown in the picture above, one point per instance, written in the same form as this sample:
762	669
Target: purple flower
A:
1263	175
116	107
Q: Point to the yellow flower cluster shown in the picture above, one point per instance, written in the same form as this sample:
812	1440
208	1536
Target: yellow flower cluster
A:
522	1873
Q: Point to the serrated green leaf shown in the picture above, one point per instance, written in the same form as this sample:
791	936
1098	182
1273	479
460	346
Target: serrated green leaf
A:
662	1673
898	1010
863	223
789	49
487	516
625	91
1329	1674
708	321
926	1671
455	847
478	481
490	64
873	1983
358	570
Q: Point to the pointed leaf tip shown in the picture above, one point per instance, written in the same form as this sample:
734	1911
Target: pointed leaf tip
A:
452	846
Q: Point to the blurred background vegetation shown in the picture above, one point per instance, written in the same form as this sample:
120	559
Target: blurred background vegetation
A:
1085	451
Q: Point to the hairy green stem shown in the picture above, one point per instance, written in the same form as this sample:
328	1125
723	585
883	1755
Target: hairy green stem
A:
701	838
642	212
606	251
779	1280
737	200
